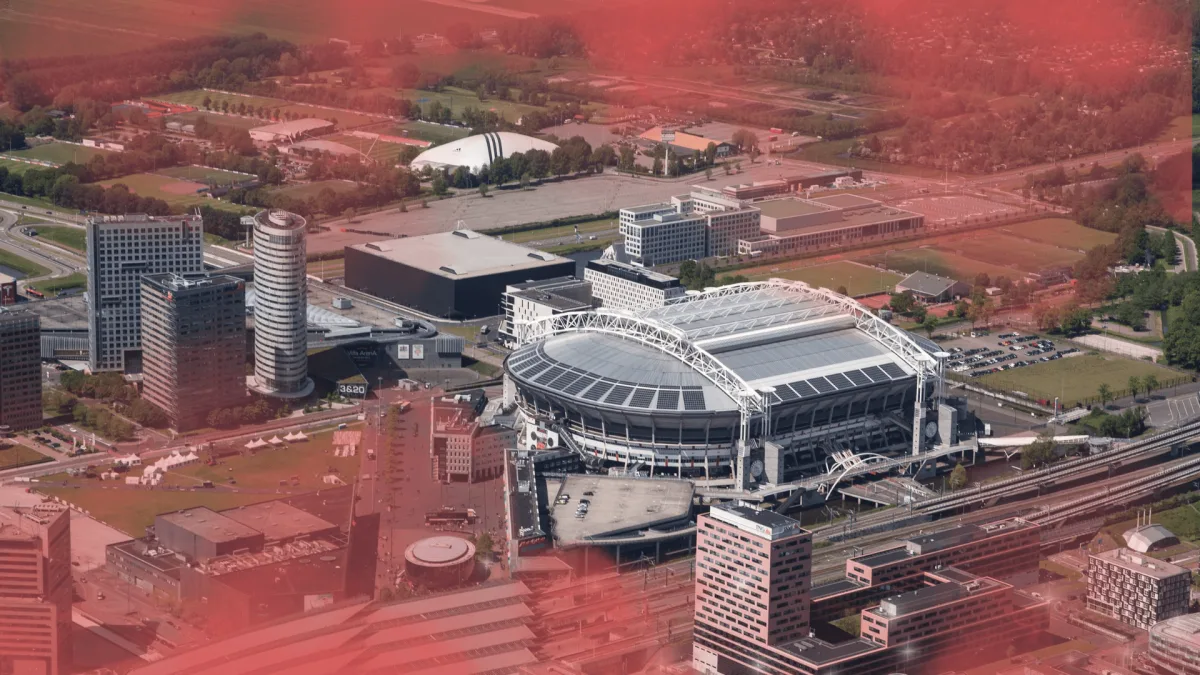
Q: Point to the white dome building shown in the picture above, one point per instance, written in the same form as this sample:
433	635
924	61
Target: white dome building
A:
478	151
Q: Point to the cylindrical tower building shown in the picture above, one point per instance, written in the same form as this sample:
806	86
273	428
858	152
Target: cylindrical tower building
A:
281	306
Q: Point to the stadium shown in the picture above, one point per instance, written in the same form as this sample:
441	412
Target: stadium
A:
478	151
680	388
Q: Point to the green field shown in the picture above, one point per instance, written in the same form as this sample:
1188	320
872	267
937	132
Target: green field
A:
1179	128
173	191
1060	232
132	509
859	280
941	263
461	99
311	190
60	153
25	266
14	456
544	234
71	237
996	248
345	119
204	174
1076	379
380	151
216	119
56	286
434	133
14	166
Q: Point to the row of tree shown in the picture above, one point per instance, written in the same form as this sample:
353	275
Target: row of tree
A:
255	412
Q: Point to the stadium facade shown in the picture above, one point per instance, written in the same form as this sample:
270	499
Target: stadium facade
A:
771	375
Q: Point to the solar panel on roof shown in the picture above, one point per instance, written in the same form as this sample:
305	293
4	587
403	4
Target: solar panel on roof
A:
693	399
875	373
642	398
840	381
821	385
894	371
804	389
858	378
600	389
536	368
551	374
579	385
560	383
618	395
785	393
668	399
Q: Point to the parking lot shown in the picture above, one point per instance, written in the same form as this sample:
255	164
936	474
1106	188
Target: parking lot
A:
1174	411
982	352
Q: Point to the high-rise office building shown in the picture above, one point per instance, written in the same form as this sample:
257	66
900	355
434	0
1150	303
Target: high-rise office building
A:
689	227
20	370
193	345
280	306
120	251
35	589
752	581
1136	589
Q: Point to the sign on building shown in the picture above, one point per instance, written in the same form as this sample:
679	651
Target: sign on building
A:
402	352
418	352
362	356
352	389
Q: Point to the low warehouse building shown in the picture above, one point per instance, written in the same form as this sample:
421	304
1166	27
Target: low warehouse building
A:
457	275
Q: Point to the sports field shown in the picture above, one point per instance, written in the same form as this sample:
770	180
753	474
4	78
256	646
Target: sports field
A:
60	153
257	477
204	174
311	190
434	133
461	99
938	262
216	119
173	191
345	119
380	151
1077	378
71	237
14	166
858	279
1060	232
1002	250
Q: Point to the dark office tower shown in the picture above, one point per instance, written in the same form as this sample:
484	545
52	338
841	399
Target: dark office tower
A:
193	345
20	371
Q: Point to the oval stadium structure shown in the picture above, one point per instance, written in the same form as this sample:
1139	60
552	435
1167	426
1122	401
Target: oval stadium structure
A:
680	388
478	151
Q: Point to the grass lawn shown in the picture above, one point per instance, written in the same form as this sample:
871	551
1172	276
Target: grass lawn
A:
18	455
56	286
1182	521
542	234
1195	125
1076	378
204	174
941	263
132	509
71	237
23	265
217	119
1180	127
61	153
461	99
1060	232
1002	250
174	191
831	152
434	133
380	151
858	279
14	166
482	367
195	97
311	190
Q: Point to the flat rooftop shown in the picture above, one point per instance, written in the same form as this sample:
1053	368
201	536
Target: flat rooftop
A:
788	207
1182	629
884	557
764	523
846	201
1140	563
554	299
165	563
617	507
203	521
817	651
649	208
278	520
834	588
62	313
460	254
932	596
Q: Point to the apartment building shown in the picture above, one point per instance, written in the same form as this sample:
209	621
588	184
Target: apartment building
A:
617	285
193	345
530	301
1136	589
120	251
20	370
35	589
464	447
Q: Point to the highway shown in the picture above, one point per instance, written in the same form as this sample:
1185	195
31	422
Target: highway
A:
61	262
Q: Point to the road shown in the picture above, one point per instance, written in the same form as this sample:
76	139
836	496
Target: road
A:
1187	246
60	261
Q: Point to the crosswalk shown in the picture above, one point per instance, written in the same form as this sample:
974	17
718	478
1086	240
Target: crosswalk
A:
1173	411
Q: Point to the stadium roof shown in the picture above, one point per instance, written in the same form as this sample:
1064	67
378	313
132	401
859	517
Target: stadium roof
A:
707	351
480	150
460	254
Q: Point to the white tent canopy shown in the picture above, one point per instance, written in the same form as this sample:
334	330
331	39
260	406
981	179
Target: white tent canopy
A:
297	436
275	440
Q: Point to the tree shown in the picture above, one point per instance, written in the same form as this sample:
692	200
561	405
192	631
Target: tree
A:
1150	383
708	174
405	76
438	187
841	290
982	280
1135	384
958	477
350	213
744	139
484	546
1105	393
483	190
902	303
658	166
930	324
1040	452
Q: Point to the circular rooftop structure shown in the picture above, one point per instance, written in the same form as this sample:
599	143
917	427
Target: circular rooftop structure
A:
478	151
670	385
440	561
